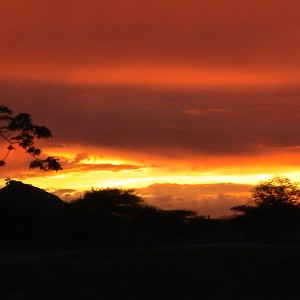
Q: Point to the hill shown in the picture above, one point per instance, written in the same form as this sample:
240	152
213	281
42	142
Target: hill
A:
17	195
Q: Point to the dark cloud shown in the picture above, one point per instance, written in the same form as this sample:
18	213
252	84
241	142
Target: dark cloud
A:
77	165
166	123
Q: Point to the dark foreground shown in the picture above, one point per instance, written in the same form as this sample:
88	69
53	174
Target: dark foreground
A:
216	271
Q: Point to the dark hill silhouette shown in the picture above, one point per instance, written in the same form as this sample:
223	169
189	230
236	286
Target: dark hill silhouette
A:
30	218
17	195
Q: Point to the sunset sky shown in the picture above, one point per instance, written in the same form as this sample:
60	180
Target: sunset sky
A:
190	102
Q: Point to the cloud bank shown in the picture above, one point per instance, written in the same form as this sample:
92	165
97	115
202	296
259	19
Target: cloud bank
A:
166	123
207	199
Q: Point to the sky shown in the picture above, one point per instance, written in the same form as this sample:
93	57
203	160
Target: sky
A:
189	102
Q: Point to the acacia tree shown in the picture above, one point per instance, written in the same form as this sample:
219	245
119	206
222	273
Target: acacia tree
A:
272	212
18	130
111	201
277	193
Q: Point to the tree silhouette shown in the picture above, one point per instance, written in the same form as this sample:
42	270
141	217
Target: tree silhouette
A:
18	130
110	201
273	210
278	192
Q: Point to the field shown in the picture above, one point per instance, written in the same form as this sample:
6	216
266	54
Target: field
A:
213	271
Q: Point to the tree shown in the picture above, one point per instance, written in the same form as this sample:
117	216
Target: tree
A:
110	201
272	212
18	130
278	192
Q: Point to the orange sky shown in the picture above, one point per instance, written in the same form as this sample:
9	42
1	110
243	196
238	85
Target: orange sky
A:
163	96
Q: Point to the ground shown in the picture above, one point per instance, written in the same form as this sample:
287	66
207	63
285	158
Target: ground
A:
212	271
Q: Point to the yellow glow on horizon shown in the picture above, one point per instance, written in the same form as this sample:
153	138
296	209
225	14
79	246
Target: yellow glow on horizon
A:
215	170
99	179
93	170
94	160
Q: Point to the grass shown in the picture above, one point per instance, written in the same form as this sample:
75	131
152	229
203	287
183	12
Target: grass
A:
216	271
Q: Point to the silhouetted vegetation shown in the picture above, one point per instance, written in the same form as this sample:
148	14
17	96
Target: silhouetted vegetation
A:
273	211
108	244
18	130
31	217
121	217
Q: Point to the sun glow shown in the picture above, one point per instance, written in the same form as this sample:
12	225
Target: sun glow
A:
104	168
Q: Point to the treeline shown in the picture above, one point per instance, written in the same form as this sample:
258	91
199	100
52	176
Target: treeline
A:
121	218
106	217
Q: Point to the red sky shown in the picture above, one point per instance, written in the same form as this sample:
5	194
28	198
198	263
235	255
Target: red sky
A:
165	96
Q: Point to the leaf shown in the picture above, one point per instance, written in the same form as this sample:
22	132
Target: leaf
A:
10	147
41	132
19	130
5	109
48	164
34	151
20	122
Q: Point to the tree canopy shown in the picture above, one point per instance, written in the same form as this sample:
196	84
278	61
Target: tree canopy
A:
277	192
18	130
109	199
